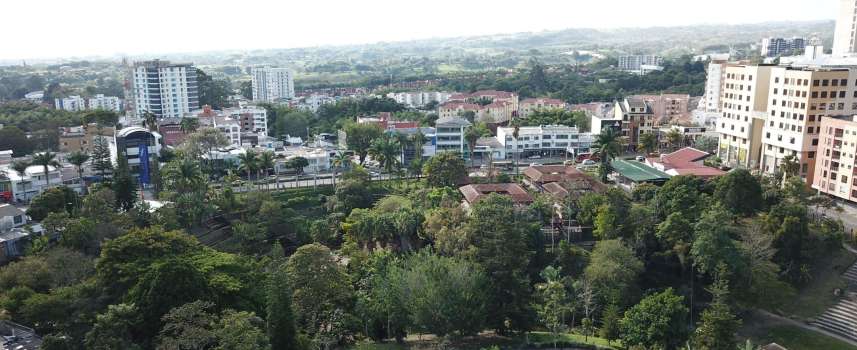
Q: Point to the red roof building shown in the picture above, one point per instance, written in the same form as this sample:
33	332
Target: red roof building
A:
686	161
475	192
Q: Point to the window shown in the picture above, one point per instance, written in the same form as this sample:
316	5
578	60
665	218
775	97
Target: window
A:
815	142
842	94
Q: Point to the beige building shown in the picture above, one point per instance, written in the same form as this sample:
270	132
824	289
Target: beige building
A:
836	161
489	106
81	138
668	108
638	117
744	99
798	101
531	105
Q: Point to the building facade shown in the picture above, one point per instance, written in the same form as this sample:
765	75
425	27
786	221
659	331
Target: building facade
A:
418	99
82	138
744	107
128	142
167	90
845	33
449	135
637	115
774	47
544	140
71	103
272	84
531	105
836	161
640	64
107	103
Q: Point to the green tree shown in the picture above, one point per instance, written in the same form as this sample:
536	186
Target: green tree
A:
189	326
359	138
249	162
612	270
281	319
114	329
15	139
659	321
610	319
675	139
124	185
101	156
189	125
53	200
554	302
298	163
713	245
444	170
213	92
740	192
606	147
46	159
386	151
648	142
718	325
320	287
78	159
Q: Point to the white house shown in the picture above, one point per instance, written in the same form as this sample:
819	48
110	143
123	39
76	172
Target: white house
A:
32	182
11	217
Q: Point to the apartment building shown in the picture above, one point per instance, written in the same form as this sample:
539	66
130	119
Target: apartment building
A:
107	103
71	103
418	99
836	160
489	106
81	138
667	107
637	117
774	47
544	140
640	64
845	33
799	99
253	119
272	84
449	135
744	107
713	84
167	90
531	105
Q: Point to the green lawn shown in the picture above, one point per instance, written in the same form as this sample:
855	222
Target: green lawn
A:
795	338
488	340
817	296
547	338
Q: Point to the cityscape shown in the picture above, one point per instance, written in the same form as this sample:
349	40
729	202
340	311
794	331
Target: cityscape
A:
670	187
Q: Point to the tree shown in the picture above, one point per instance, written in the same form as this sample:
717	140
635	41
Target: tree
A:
502	243
554	302
675	138
442	295
190	326
648	142
659	321
706	143
239	330
249	162
718	325
790	166
319	285
123	184
183	175
444	170
359	138
606	147
281	318
740	192
113	329
610	320
471	136
78	159
20	167
189	125
53	200
15	139
387	151
101	156
612	270
150	121
46	159
298	163
713	245
213	92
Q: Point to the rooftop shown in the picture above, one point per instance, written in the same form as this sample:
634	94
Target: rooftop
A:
686	161
7	210
475	192
456	121
638	172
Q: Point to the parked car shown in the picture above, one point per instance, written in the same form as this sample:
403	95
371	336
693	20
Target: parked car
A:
589	162
535	157
535	164
584	156
641	159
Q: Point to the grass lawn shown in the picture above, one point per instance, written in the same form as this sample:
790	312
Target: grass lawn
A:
547	338
795	338
814	298
487	340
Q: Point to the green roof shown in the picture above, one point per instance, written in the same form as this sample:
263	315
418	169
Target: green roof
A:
637	171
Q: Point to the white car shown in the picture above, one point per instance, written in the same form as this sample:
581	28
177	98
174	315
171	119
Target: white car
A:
588	162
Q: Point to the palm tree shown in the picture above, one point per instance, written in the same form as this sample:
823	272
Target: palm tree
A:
20	167
515	133
150	120
471	136
790	166
46	159
189	125
674	138
78	158
419	139
648	142
606	146
385	150
340	160
266	163
184	176
249	162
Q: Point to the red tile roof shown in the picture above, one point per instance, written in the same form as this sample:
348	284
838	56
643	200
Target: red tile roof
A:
475	192
687	161
462	105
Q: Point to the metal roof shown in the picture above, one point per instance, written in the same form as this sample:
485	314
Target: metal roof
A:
638	172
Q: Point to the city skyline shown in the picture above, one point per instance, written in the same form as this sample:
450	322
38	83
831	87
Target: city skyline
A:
259	25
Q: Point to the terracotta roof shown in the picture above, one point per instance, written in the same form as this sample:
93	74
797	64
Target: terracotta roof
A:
556	190
475	192
544	101
551	173
463	105
687	161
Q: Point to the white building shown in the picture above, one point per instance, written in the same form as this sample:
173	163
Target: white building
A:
107	103
129	140
35	96
168	90
544	140
252	119
744	108
318	159
449	135
71	103
640	64
272	84
32	182
419	99
845	33
314	102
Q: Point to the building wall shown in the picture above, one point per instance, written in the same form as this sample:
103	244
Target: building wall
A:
272	84
744	97
845	32
836	161
164	89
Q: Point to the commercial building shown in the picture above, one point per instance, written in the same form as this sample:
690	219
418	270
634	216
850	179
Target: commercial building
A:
836	161
272	84
544	140
167	90
130	141
637	115
82	138
845	34
774	47
449	134
640	64
107	103
531	105
71	103
799	99
744	108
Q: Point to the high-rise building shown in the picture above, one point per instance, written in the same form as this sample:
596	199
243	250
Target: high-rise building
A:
798	101
774	47
640	64
71	103
846	29
744	99
167	90
107	103
272	84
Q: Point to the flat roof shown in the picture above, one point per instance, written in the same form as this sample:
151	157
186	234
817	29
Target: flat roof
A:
638	172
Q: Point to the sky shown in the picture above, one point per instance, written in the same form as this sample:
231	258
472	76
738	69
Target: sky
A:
64	28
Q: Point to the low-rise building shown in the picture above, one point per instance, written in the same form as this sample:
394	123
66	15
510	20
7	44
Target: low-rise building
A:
686	161
532	105
637	117
29	184
11	217
668	108
544	140
82	138
71	103
488	106
107	103
475	192
419	99
449	135
630	174
640	64
130	141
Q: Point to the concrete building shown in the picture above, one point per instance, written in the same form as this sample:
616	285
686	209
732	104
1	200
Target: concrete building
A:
71	103
640	64
489	106
744	99
32	182
314	102
544	140
686	161
272	84
531	105
128	141
775	47
845	34
82	138
637	115
836	160
449	135
253	119
715	74
107	103
475	192
11	217
167	90
668	108
418	99
799	99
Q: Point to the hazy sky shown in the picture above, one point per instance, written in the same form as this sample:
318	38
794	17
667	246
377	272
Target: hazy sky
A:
61	28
